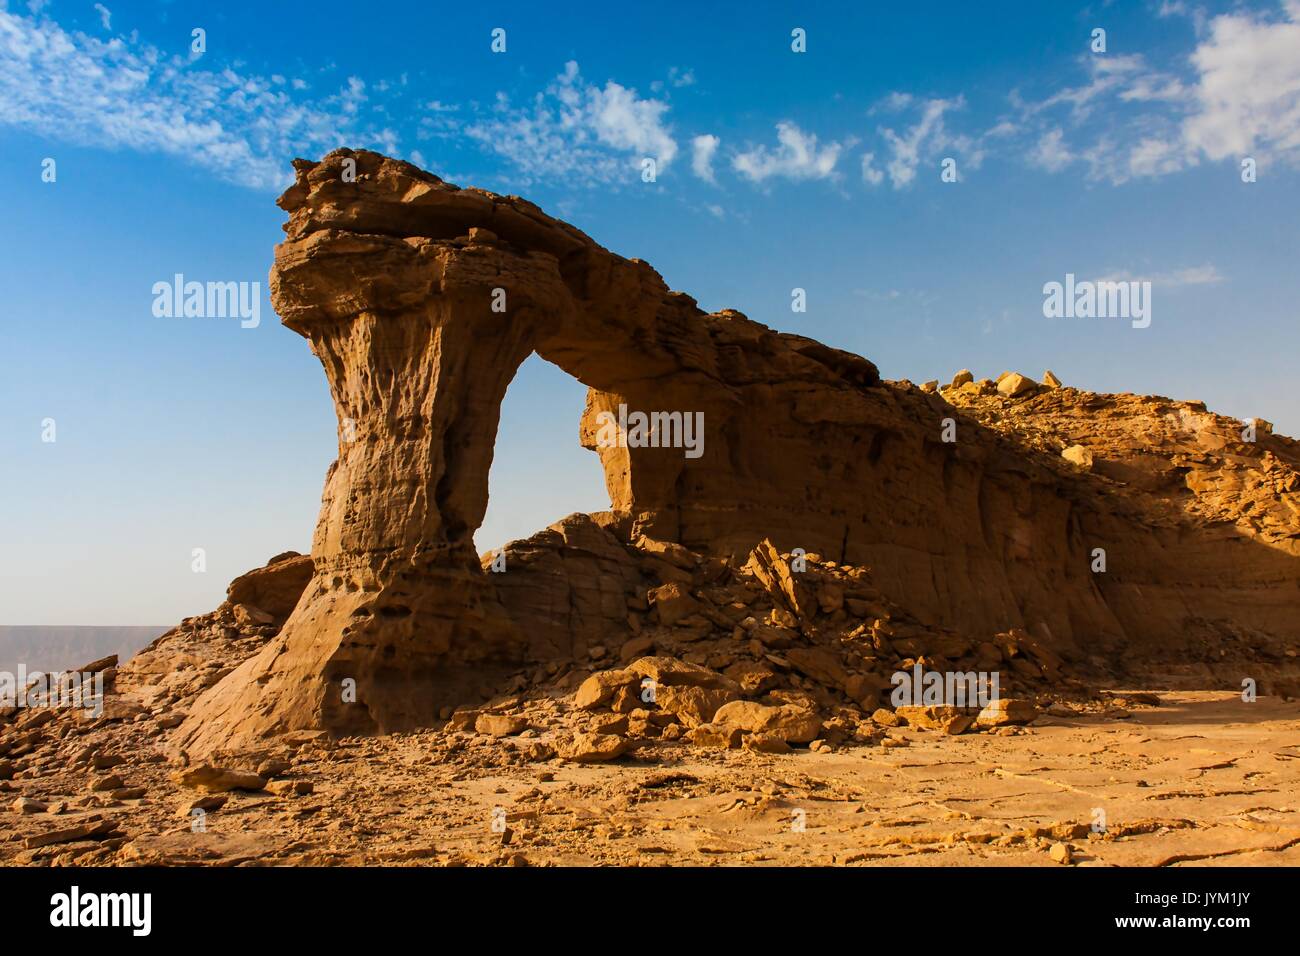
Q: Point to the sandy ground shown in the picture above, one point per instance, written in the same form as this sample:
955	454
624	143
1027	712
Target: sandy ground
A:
1201	779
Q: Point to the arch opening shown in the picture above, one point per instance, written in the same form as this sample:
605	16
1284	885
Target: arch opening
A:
540	471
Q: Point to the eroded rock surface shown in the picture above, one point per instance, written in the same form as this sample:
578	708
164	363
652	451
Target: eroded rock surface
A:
421	300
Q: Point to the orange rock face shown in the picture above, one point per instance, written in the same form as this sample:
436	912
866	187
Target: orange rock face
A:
422	299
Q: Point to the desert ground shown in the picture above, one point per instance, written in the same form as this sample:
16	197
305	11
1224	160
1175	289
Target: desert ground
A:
1199	779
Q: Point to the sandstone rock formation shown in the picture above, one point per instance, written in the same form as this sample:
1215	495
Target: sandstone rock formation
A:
421	300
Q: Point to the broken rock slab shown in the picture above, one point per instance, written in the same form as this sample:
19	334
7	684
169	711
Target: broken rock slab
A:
1015	385
210	779
1007	711
1078	455
793	724
943	718
585	747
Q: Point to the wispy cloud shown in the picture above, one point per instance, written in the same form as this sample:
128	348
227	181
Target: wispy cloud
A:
870	174
576	130
923	138
1178	278
703	148
1234	92
1050	152
797	156
1236	95
122	93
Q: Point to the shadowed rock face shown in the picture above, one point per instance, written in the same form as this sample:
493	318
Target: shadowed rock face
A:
421	300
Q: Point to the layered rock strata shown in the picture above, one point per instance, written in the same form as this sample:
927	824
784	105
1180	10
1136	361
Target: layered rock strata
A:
422	299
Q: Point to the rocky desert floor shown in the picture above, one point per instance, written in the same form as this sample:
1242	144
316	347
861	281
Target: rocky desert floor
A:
1199	778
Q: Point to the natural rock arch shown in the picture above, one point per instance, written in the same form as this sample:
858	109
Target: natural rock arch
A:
392	278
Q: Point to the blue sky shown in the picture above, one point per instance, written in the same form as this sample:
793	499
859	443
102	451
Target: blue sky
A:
775	170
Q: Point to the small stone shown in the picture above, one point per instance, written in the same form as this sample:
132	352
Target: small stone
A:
1078	455
600	687
249	617
206	804
790	722
766	744
886	718
673	602
946	719
593	748
1050	380
1061	853
962	377
109	782
1006	711
212	779
709	735
462	719
1014	385
538	751
616	726
28	805
287	788
634	648
499	725
91	828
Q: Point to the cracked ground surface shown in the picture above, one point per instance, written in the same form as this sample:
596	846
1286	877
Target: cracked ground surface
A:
1200	779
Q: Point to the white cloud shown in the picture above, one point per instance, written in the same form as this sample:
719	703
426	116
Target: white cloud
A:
895	102
1156	156
796	157
1154	86
1248	94
870	175
1050	153
105	16
1109	73
681	78
579	131
925	139
1179	278
121	93
702	149
1238	95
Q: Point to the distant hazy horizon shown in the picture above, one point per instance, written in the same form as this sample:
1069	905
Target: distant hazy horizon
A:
54	647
